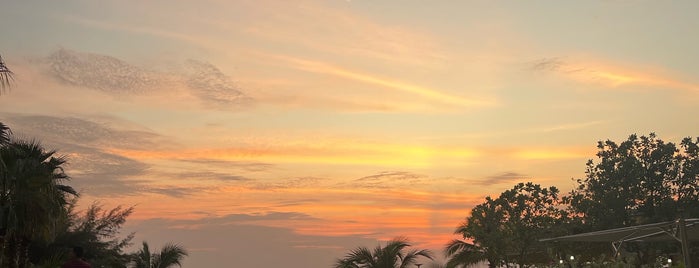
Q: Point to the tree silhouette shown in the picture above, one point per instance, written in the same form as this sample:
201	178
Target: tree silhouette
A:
32	195
392	255
507	229
463	254
6	76
169	256
638	181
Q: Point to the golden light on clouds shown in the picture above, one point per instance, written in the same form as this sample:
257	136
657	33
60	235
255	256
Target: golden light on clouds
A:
619	75
378	213
553	153
387	83
335	121
333	152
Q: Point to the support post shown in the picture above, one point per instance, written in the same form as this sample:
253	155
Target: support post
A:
685	243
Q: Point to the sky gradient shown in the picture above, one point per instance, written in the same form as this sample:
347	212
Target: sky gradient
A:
284	133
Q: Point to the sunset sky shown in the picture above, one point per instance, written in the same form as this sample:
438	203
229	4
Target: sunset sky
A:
266	133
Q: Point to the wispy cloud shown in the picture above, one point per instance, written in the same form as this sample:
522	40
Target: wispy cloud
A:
210	84
613	75
207	175
294	183
75	131
93	169
552	153
391	180
346	33
336	151
223	164
568	126
140	29
505	177
425	92
100	72
117	77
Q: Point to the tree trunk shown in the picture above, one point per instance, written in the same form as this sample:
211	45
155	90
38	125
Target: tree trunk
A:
23	251
10	252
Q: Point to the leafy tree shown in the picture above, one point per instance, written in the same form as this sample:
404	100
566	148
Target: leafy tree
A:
484	228
631	184
392	255
96	230
38	215
638	181
169	256
507	229
685	187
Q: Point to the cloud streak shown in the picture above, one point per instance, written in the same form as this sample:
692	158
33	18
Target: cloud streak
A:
387	83
505	177
343	152
613	75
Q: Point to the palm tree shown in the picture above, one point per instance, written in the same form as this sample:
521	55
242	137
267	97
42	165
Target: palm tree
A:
463	254
5	79
32	195
169	256
6	76
4	134
390	256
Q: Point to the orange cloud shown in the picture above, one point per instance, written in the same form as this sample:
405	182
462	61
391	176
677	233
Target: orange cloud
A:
366	212
569	126
616	75
563	153
344	32
425	92
325	152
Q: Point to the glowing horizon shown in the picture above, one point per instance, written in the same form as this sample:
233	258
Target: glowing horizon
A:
311	127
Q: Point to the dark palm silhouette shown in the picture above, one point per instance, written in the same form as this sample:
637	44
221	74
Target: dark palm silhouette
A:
463	254
6	76
393	255
169	256
32	196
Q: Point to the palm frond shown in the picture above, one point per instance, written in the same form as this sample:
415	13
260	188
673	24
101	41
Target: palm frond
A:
345	263
6	76
142	259
463	254
411	257
391	255
171	254
5	133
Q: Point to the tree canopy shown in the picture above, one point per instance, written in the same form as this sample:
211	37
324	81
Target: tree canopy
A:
640	180
506	229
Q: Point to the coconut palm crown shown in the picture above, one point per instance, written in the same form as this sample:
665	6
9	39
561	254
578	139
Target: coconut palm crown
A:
6	76
393	255
169	256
